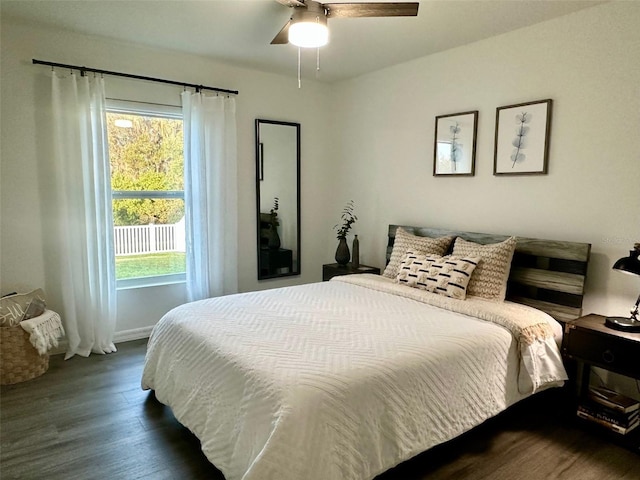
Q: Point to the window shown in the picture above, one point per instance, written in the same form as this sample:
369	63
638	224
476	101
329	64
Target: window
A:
147	181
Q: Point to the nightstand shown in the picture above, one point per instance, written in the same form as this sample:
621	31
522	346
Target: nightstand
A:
331	270
588	340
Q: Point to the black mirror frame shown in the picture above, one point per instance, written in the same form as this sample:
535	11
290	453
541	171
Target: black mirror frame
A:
259	178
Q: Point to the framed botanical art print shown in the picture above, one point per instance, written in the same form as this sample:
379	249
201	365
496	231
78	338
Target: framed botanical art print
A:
522	138
454	149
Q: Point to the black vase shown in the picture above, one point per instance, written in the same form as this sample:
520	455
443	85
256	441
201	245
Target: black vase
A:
273	238
356	252
342	252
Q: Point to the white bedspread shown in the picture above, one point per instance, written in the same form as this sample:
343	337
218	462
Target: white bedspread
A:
328	380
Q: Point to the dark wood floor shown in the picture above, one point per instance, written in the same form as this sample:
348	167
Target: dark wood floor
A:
87	418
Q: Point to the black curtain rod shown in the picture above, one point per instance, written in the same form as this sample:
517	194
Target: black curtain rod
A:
137	77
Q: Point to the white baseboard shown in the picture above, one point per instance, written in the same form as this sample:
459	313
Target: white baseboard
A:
133	334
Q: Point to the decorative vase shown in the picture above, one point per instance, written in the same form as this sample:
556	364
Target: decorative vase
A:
273	239
355	259
342	252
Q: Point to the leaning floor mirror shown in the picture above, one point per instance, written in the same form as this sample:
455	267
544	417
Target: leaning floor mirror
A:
278	198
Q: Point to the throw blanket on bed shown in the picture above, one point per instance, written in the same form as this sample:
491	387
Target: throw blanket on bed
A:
44	331
529	326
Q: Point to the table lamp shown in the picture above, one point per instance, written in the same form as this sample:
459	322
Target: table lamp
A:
630	264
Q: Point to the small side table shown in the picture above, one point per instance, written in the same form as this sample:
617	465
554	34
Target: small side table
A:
588	340
331	270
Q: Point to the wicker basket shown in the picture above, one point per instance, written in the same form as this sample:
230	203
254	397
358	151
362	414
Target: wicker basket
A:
19	361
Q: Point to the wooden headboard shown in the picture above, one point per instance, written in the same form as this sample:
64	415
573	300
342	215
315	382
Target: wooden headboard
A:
546	274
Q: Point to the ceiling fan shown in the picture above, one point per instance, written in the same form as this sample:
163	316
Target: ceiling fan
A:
308	24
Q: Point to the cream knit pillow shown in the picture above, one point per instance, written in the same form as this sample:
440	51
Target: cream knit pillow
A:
490	277
406	241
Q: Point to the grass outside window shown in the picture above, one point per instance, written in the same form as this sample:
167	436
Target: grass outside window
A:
150	265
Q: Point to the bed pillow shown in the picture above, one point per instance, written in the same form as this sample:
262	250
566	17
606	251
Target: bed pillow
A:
406	241
490	276
21	306
447	276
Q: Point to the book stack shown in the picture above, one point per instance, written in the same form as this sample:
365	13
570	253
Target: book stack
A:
610	409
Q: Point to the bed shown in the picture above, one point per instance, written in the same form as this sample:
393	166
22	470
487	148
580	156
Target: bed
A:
348	378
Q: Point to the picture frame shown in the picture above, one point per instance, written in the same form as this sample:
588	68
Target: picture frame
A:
522	138
454	146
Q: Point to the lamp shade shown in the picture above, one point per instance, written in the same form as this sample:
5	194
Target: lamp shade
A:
308	28
308	34
630	264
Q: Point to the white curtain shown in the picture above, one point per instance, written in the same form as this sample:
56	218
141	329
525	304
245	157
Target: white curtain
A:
84	236
210	191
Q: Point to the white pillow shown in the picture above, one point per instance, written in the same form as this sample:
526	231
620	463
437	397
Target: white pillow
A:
447	276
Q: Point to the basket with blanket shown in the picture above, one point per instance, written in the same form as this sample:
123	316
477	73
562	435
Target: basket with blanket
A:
27	332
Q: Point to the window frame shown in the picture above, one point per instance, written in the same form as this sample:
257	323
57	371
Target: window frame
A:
149	110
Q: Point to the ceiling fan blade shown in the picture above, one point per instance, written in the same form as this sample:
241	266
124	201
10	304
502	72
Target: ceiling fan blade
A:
396	9
283	35
291	3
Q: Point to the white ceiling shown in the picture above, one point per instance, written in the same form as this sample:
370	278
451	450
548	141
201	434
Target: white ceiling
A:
239	31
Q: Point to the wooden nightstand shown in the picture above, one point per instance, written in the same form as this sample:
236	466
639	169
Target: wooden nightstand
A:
331	270
588	340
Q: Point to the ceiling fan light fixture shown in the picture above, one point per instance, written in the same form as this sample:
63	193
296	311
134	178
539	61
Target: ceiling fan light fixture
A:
308	34
308	29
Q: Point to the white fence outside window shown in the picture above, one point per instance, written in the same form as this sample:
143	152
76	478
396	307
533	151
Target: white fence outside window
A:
143	239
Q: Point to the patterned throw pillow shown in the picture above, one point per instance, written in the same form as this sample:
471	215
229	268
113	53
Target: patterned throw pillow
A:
21	306
447	276
406	241
490	277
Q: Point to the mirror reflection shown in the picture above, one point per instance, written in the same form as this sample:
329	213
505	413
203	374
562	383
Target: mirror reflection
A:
278	198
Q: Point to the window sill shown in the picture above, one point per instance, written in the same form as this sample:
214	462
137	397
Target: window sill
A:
133	283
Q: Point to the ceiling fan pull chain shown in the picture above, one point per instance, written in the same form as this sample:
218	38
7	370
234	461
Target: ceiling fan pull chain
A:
299	82
318	48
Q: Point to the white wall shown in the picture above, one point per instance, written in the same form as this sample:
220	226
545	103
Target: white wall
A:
587	62
371	139
24	91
